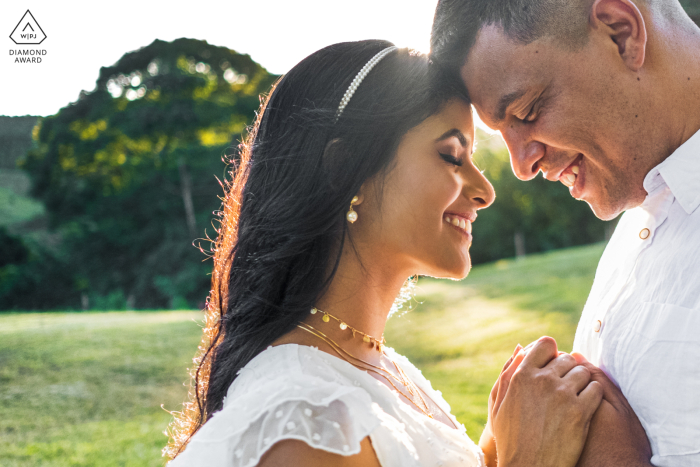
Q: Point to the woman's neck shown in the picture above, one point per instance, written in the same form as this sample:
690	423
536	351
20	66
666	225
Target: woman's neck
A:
361	300
361	295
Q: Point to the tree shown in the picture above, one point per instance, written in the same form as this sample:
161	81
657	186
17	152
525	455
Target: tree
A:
128	172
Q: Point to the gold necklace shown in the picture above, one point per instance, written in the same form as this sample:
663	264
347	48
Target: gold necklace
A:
340	350
413	390
377	344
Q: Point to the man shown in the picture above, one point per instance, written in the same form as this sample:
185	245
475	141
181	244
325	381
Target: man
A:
604	97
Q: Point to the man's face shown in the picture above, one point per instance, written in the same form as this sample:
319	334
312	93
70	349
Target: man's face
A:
576	116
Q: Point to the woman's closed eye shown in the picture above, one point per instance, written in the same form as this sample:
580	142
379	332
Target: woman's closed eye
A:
449	158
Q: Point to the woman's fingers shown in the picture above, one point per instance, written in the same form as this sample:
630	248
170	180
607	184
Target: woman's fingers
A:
494	391
578	378
590	398
611	393
518	348
504	380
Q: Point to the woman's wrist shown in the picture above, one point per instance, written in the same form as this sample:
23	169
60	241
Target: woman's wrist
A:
487	443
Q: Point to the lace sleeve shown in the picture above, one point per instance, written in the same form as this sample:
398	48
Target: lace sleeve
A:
323	414
417	377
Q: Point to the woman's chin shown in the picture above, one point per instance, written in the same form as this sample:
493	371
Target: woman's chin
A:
461	268
464	273
454	271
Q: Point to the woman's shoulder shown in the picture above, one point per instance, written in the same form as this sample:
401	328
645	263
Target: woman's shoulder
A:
286	392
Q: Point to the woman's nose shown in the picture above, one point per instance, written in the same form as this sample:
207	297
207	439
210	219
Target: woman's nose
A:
479	190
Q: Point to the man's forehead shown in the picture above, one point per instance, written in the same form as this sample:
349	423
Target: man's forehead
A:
500	69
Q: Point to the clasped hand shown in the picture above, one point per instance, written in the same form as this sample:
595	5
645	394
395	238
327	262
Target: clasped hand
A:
545	403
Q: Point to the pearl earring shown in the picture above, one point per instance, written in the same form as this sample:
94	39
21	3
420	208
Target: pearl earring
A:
352	215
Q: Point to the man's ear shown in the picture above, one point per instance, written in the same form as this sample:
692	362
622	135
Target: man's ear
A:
622	21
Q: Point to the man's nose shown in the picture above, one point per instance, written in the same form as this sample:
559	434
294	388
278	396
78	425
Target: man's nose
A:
525	154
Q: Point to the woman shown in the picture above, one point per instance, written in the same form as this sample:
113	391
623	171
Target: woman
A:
357	175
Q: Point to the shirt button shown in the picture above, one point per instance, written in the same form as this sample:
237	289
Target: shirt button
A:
596	325
644	233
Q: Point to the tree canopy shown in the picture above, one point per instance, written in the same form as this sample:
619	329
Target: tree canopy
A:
128	172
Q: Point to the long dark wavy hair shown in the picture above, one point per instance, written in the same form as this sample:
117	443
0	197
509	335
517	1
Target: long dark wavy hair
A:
282	226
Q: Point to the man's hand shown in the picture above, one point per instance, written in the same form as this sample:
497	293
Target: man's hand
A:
615	437
541	414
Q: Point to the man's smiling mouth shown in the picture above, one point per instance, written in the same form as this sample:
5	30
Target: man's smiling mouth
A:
570	174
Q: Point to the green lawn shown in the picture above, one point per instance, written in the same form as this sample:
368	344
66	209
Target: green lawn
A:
84	389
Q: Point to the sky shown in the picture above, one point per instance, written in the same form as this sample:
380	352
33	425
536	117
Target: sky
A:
82	36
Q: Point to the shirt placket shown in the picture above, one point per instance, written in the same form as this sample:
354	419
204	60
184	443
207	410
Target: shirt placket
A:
651	216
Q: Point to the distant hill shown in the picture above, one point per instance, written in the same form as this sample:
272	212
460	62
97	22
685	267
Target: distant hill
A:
15	139
18	211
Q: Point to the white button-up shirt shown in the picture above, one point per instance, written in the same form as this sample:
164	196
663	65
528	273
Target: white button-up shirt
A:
641	323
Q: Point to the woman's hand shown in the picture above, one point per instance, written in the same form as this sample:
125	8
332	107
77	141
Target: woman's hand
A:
487	442
542	409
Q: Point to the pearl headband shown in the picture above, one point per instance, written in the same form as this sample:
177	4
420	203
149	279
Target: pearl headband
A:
359	77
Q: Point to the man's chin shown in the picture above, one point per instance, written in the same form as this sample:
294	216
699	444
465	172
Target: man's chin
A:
603	211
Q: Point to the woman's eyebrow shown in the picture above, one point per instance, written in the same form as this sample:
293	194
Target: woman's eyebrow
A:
453	132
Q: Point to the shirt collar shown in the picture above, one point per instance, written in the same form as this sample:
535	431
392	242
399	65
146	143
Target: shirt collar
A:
681	173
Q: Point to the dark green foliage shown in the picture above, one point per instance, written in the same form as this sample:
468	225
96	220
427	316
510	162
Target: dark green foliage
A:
128	172
31	276
12	249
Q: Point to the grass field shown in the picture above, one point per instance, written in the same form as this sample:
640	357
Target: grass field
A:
85	389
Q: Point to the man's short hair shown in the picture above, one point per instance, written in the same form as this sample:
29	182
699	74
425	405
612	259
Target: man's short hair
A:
457	23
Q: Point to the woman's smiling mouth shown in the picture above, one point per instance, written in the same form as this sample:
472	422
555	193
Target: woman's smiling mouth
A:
461	223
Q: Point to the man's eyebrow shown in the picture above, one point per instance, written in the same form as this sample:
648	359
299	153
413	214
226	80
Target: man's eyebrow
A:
453	132
506	101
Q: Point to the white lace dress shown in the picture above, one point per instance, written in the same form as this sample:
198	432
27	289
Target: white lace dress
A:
299	392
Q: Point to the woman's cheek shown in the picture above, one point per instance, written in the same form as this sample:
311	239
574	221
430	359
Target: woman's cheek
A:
448	190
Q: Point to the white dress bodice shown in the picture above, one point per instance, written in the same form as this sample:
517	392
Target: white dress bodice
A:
299	392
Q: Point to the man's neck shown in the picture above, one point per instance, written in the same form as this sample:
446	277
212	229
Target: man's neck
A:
675	58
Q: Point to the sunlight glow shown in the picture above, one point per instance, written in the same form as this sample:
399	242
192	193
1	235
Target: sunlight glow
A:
481	125
114	89
153	68
275	33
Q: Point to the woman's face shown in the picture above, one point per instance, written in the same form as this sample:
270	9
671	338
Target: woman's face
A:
420	218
